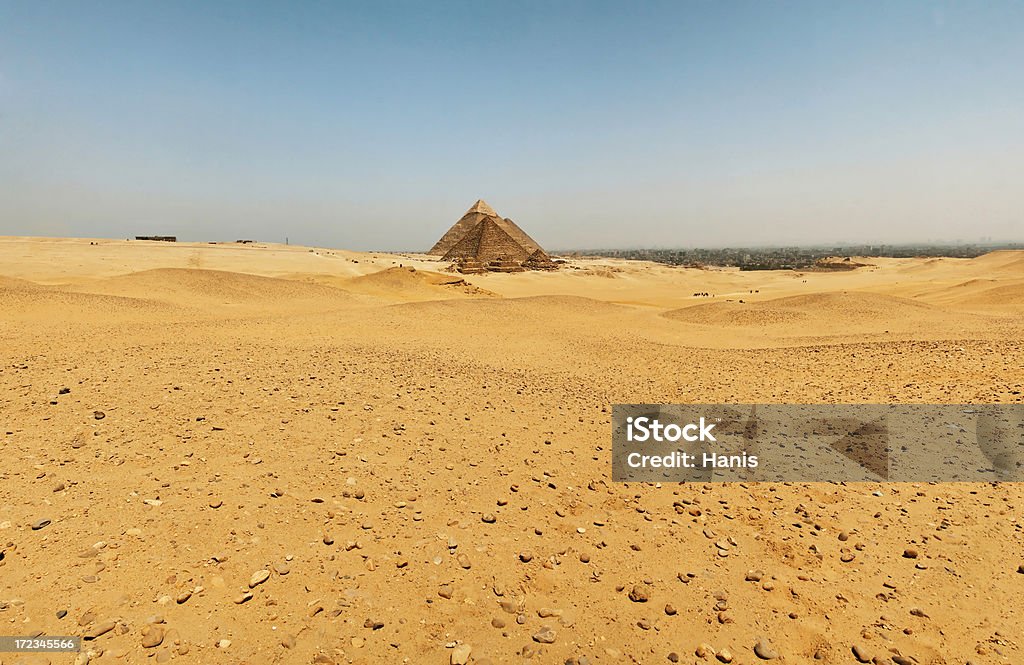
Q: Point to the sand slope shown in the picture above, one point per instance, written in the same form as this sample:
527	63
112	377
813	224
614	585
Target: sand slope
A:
409	284
843	312
197	287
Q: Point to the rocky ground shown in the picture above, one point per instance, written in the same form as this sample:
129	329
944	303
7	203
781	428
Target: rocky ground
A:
207	467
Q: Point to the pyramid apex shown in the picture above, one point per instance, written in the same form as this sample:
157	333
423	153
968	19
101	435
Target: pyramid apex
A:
482	207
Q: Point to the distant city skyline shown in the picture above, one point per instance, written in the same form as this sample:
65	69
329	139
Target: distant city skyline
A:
591	124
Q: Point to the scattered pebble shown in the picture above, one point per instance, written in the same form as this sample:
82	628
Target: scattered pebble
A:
764	651
258	578
545	635
99	629
861	654
638	594
152	636
460	654
40	524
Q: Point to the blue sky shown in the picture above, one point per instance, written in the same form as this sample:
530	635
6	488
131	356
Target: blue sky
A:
375	125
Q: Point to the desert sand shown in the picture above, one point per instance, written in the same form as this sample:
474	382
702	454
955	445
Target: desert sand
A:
220	453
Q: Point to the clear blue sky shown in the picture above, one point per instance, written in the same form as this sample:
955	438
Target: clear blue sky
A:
376	124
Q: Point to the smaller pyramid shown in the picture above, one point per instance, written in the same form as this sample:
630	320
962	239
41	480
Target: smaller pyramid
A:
540	260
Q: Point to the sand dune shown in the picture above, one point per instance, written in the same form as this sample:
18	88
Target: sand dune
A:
192	287
1008	261
274	455
42	303
409	284
17	284
841	313
998	296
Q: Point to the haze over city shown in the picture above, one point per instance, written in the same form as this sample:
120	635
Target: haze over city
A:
592	124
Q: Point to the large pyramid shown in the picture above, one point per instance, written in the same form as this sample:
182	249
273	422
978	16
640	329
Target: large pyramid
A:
477	213
487	242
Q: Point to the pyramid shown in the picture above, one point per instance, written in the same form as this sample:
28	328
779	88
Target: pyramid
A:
487	241
478	212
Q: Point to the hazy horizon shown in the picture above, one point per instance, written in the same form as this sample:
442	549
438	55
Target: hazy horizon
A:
592	125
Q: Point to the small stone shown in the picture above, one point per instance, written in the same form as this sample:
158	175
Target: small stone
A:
488	518
183	596
223	644
861	654
673	657
258	578
243	598
764	651
1020	569
670	610
754	576
152	636
724	656
40	524
526	557
59	487
463	560
638	594
460	654
99	415
100	629
498	622
910	553
545	635
446	591
61	614
288	641
375	624
216	504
